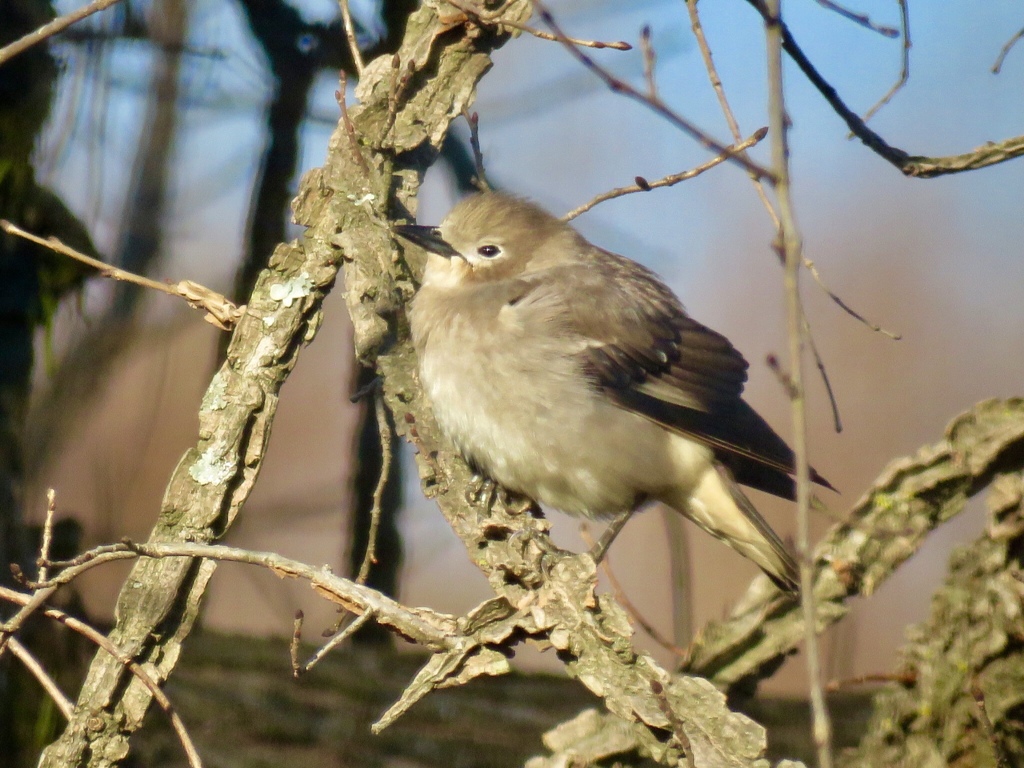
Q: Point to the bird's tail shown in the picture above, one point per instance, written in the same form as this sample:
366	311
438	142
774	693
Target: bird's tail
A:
719	507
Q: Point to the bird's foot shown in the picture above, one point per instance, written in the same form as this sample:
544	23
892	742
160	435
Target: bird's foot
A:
600	549
481	492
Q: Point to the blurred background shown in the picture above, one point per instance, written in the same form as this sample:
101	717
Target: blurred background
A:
178	131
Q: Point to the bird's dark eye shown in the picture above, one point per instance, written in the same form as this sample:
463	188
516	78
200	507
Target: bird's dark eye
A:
489	251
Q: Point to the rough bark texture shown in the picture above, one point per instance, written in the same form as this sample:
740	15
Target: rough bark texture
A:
406	107
912	497
961	702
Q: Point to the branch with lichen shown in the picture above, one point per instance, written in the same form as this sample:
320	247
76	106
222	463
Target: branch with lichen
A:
160	599
912	497
960	690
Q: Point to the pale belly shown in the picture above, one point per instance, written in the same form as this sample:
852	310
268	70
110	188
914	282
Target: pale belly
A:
541	430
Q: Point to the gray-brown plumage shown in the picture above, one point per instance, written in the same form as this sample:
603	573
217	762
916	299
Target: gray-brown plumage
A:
574	376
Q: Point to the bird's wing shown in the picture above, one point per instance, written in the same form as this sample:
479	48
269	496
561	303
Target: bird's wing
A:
642	349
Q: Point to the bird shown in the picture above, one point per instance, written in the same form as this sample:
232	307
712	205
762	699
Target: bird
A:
574	376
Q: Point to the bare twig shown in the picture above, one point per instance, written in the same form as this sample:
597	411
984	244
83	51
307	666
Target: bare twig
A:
790	246
915	166
823	372
473	119
859	18
874	677
784	379
650	58
44	548
52	28
813	269
617	85
335	641
27	601
904	63
678	727
384	428
22	654
643	185
293	646
491	18
220	311
350	35
342	97
13	624
428	628
723	102
1007	47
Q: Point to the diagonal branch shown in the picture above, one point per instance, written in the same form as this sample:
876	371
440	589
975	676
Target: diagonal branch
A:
160	600
912	497
916	166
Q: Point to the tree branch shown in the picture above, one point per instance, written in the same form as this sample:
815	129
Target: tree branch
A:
912	497
916	166
160	599
962	687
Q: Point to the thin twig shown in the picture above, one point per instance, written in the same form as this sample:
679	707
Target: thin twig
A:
22	654
784	379
335	641
428	628
904	63
27	601
813	269
384	429
350	35
13	624
342	97
52	28
632	610
617	85
293	647
643	185
491	18
790	246
873	677
837	421
723	102
1007	47
478	156
915	166
650	58
220	311
44	548
859	18
678	727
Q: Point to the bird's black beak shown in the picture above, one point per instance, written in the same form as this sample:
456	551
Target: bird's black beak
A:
427	238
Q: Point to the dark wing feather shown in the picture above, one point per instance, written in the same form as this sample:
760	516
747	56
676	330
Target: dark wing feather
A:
654	360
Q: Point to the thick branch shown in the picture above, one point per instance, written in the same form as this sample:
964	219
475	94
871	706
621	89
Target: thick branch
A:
160	599
961	679
912	497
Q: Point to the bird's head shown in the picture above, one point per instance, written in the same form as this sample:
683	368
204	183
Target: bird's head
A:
493	236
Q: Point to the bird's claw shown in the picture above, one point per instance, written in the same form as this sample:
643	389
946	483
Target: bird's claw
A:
481	492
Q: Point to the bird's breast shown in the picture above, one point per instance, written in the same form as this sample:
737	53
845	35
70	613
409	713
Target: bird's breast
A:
517	403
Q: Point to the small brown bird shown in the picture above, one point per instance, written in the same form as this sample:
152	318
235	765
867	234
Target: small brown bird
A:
574	376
